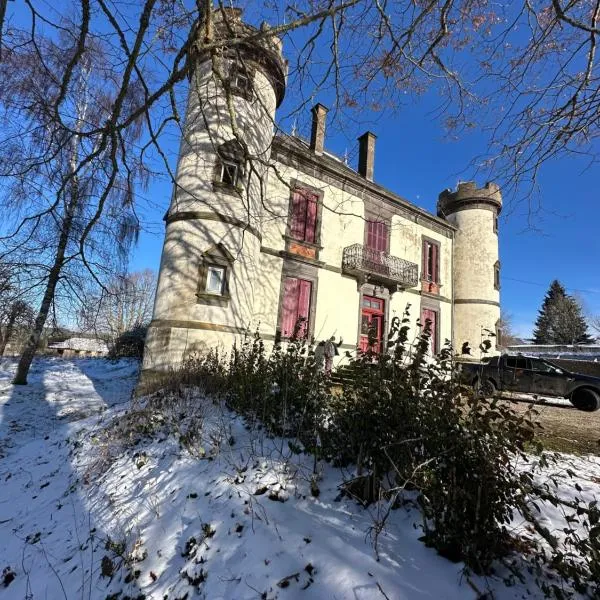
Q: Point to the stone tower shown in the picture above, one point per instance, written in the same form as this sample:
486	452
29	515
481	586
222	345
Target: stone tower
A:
210	257
476	267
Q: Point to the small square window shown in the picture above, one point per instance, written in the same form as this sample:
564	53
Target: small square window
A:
229	172
215	280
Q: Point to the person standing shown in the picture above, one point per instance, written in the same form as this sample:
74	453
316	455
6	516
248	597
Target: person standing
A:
330	350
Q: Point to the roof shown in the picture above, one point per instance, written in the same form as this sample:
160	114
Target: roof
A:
334	165
81	344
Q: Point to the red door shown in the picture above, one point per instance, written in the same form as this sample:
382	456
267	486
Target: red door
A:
431	315
371	322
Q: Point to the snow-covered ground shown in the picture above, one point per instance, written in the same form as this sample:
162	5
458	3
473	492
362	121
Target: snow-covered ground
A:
234	519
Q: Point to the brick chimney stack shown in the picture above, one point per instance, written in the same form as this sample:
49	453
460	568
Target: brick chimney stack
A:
317	134
366	155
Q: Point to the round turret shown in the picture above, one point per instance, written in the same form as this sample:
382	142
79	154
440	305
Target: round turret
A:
468	195
211	253
476	287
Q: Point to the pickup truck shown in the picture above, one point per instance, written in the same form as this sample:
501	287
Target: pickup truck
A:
531	375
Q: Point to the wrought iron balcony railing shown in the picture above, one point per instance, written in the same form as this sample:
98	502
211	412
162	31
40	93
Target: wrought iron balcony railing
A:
376	265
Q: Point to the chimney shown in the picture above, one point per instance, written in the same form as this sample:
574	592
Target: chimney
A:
366	154
317	134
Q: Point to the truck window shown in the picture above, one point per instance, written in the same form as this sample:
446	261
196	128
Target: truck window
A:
517	362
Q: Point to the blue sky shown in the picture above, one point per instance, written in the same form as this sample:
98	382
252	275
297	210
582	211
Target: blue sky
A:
416	159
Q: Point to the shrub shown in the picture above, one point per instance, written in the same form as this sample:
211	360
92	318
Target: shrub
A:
130	344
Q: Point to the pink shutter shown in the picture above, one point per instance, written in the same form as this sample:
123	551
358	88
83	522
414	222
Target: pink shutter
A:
424	267
430	315
304	304
371	242
289	310
311	218
298	219
436	263
382	237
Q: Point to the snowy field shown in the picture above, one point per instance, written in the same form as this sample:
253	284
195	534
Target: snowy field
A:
233	519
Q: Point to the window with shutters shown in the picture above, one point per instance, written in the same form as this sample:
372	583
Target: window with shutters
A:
295	310
377	235
303	216
430	321
431	261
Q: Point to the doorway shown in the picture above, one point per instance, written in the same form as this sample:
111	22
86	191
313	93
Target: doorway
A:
371	324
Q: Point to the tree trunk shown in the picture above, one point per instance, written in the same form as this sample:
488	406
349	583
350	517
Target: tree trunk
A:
34	339
7	332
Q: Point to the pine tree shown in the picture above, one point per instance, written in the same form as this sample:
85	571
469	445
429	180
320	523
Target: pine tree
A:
560	320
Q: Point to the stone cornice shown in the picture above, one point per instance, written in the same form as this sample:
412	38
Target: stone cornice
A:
294	153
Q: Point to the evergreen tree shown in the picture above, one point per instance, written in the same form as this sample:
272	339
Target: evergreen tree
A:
560	320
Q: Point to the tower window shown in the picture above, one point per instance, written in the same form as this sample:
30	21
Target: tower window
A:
495	223
497	275
229	167
240	80
215	280
215	269
229	172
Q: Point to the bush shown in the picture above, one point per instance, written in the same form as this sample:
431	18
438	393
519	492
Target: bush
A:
406	422
130	344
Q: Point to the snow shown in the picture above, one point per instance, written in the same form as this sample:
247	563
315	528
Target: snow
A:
81	344
233	518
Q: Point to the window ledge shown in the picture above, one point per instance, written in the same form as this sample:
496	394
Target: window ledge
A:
219	186
213	299
289	238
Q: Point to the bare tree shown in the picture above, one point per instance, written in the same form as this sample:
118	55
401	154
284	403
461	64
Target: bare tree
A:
124	305
88	100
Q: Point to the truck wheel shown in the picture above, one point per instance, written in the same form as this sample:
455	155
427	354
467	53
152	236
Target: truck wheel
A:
585	399
485	388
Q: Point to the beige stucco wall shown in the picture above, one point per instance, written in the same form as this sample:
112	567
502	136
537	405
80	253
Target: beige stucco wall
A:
475	254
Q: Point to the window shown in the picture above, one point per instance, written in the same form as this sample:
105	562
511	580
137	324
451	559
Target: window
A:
240	80
303	217
431	261
495	223
497	275
215	280
229	168
517	362
229	173
216	266
295	313
377	235
431	316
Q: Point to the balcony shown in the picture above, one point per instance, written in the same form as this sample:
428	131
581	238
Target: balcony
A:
379	267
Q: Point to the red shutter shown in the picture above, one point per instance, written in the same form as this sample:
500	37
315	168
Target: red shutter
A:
435	262
382	237
371	236
298	218
424	268
289	310
430	315
304	304
311	218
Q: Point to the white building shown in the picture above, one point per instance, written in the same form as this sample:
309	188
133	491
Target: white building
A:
266	230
